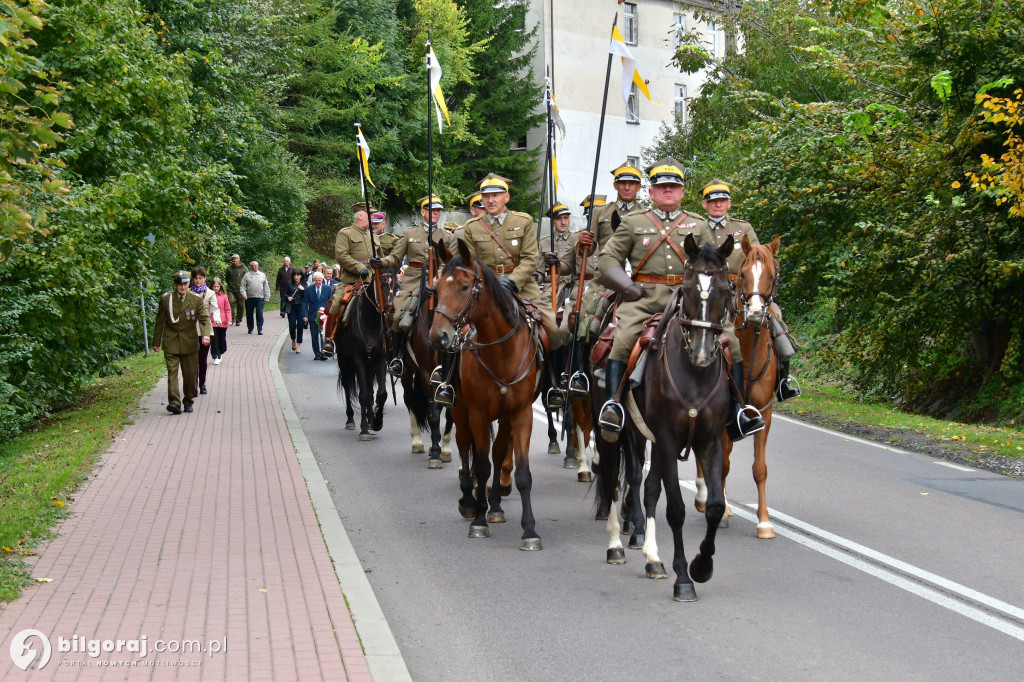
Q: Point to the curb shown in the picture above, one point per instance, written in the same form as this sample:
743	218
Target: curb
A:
382	653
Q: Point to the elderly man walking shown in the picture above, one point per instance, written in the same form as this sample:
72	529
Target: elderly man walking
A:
180	321
255	292
233	283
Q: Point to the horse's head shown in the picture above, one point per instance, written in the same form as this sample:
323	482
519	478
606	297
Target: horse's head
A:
705	299
458	292
758	277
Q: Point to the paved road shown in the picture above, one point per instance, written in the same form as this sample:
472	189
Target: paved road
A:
885	563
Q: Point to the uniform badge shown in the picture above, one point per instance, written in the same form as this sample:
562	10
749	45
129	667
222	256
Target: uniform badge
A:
515	242
689	226
647	241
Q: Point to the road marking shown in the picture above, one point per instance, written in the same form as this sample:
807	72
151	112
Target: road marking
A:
844	436
956	466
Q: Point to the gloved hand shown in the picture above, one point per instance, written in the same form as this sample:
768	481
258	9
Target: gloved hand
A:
586	239
375	263
550	258
508	284
364	273
632	293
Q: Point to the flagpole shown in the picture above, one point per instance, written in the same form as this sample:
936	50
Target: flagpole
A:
545	186
590	215
430	187
363	158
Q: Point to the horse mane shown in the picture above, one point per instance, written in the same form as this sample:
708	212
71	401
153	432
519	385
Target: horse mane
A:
708	253
503	297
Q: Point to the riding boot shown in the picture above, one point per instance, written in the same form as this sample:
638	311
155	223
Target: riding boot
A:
787	386
445	393
612	415
740	425
329	328
555	399
397	367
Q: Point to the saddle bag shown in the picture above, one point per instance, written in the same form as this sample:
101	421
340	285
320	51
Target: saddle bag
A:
604	304
599	354
785	347
650	327
408	312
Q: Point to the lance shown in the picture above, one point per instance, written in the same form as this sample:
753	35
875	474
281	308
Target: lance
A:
545	185
590	215
430	192
369	218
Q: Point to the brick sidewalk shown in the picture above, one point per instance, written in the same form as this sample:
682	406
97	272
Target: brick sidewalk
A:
195	527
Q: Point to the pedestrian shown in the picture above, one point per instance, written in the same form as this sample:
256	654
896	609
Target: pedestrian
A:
329	276
255	292
307	273
284	276
181	321
204	292
220	331
293	297
233	283
316	298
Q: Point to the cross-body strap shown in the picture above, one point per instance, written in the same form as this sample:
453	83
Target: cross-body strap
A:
497	239
664	237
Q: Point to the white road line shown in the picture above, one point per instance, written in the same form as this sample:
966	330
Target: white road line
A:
956	466
844	436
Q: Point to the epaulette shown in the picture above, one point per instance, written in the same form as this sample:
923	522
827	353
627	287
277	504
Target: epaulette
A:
738	220
521	214
637	211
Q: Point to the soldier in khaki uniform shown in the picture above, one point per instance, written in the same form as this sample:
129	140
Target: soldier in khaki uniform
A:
651	240
385	240
627	185
563	244
181	319
717	200
352	250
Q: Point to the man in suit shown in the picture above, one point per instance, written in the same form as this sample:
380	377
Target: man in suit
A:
177	331
318	295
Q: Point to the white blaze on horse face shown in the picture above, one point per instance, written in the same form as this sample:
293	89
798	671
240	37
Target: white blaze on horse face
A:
756	302
705	286
705	289
449	279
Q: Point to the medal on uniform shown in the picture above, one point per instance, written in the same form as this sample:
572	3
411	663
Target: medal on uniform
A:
515	242
647	241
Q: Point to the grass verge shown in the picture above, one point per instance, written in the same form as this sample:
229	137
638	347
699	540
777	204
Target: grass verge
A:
40	469
834	403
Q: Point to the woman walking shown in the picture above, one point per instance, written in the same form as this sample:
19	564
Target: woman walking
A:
220	331
200	289
293	297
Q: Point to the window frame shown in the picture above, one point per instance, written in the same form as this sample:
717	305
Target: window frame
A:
633	106
631	23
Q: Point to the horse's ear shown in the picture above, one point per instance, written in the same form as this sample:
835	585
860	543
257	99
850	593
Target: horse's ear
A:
690	246
443	251
776	243
745	243
725	250
464	251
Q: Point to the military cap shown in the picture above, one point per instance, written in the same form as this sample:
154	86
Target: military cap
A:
666	171
475	200
361	206
433	200
559	210
182	277
626	172
377	217
493	183
598	200
235	255
308	265
716	189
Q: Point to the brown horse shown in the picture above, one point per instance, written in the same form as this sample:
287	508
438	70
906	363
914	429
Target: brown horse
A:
755	300
499	379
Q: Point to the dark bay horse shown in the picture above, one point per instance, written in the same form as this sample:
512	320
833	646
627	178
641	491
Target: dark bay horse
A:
684	401
755	298
361	349
499	379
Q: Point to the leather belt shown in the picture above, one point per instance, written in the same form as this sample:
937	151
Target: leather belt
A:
670	280
504	269
416	264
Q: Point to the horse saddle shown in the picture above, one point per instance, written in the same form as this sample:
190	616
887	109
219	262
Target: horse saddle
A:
536	321
351	291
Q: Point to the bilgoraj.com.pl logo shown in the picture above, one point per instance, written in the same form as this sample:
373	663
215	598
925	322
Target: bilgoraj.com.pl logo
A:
31	648
24	649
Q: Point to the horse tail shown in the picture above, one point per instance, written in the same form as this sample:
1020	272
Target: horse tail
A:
418	404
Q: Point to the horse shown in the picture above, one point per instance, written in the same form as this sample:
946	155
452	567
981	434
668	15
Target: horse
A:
755	298
682	404
361	348
499	378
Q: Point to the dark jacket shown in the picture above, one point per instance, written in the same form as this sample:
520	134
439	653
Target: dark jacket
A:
297	292
284	276
311	303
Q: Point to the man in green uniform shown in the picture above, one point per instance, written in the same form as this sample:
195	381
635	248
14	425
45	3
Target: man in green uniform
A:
385	240
233	284
717	200
352	250
563	244
180	320
651	240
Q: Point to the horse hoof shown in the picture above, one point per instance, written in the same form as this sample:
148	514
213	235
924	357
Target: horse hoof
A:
636	541
655	570
495	517
504	490
530	545
418	449
377	424
585	476
434	463
467	512
700	506
365	436
446	456
601	515
702	568
479	532
570	463
765	531
553	448
350	426
628	527
724	523
684	592
616	556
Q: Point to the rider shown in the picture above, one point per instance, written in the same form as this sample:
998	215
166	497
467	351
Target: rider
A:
651	240
412	245
352	250
717	200
385	240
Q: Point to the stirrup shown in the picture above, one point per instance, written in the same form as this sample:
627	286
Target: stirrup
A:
327	350
563	381
606	424
755	422
579	385
555	399
396	368
445	395
435	376
788	389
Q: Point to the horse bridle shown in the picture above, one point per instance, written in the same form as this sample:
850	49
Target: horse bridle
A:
768	298
686	323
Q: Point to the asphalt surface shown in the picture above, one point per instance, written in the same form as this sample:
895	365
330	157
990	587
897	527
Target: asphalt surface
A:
886	564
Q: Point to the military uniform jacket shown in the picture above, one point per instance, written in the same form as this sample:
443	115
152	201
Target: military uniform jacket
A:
564	244
386	243
352	250
519	235
737	228
233	278
175	329
601	223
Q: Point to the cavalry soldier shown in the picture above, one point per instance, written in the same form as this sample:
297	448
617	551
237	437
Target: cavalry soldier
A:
352	250
651	240
591	202
411	245
563	244
385	240
181	319
717	200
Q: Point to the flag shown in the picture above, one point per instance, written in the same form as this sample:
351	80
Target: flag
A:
629	73
363	153
434	67
549	99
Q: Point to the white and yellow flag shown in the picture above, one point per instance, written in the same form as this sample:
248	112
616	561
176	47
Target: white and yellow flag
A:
363	152
434	67
629	73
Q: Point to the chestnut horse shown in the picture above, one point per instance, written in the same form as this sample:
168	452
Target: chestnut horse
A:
683	399
498	380
755	299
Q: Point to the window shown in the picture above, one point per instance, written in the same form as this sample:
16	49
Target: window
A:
633	108
633	161
681	102
678	28
715	37
517	145
632	30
